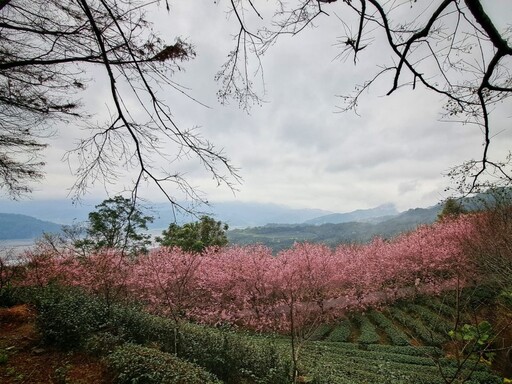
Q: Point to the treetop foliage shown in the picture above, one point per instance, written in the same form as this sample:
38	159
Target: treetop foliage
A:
116	224
451	208
196	236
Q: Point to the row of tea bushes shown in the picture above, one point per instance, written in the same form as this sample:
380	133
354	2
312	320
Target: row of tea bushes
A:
70	319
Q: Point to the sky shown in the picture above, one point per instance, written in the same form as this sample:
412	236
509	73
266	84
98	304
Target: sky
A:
296	148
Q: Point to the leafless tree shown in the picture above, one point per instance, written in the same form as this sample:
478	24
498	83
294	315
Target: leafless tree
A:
450	47
48	51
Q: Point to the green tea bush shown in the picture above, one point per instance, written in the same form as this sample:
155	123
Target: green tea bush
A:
481	295
341	332
407	350
4	357
505	298
67	317
435	322
134	364
10	274
417	327
232	356
320	332
8	296
440	308
135	325
396	335
102	343
369	334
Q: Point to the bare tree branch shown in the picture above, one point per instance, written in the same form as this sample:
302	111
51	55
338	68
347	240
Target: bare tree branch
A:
450	47
46	49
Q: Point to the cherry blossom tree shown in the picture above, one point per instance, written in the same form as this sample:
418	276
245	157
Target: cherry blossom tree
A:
291	292
167	281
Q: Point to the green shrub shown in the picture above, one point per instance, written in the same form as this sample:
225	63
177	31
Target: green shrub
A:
434	321
232	356
8	296
135	325
407	350
10	274
320	332
102	344
341	332
397	336
134	364
505	298
440	308
4	357
67	317
369	334
71	319
481	295
417	327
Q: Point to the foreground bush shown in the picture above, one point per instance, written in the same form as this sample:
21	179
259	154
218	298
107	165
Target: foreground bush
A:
71	319
232	357
67	317
134	364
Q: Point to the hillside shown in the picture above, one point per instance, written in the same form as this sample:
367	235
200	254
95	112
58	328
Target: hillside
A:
373	214
14	226
280	237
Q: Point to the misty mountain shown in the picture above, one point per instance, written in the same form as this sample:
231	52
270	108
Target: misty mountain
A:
279	237
382	211
14	226
62	211
241	215
236	214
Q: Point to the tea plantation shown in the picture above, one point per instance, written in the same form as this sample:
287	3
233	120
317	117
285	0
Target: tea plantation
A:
400	344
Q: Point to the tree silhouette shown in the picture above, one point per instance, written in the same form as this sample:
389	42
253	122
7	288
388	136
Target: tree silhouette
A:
47	49
48	52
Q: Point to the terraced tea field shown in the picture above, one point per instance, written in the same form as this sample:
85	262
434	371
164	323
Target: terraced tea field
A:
401	344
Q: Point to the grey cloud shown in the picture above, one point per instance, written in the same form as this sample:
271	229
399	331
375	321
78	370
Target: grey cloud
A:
294	150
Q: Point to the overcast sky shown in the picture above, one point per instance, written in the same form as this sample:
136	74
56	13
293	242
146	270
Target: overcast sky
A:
296	149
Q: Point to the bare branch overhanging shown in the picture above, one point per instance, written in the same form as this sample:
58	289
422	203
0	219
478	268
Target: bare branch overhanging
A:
447	36
47	49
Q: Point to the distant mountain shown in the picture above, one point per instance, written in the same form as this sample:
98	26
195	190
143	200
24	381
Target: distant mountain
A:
236	214
14	226
382	211
241	215
61	211
414	217
280	237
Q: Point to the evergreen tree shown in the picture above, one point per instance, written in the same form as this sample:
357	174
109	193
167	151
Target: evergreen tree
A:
196	236
118	224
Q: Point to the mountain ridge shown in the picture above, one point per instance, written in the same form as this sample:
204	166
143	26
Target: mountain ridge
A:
16	226
237	215
383	210
279	237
